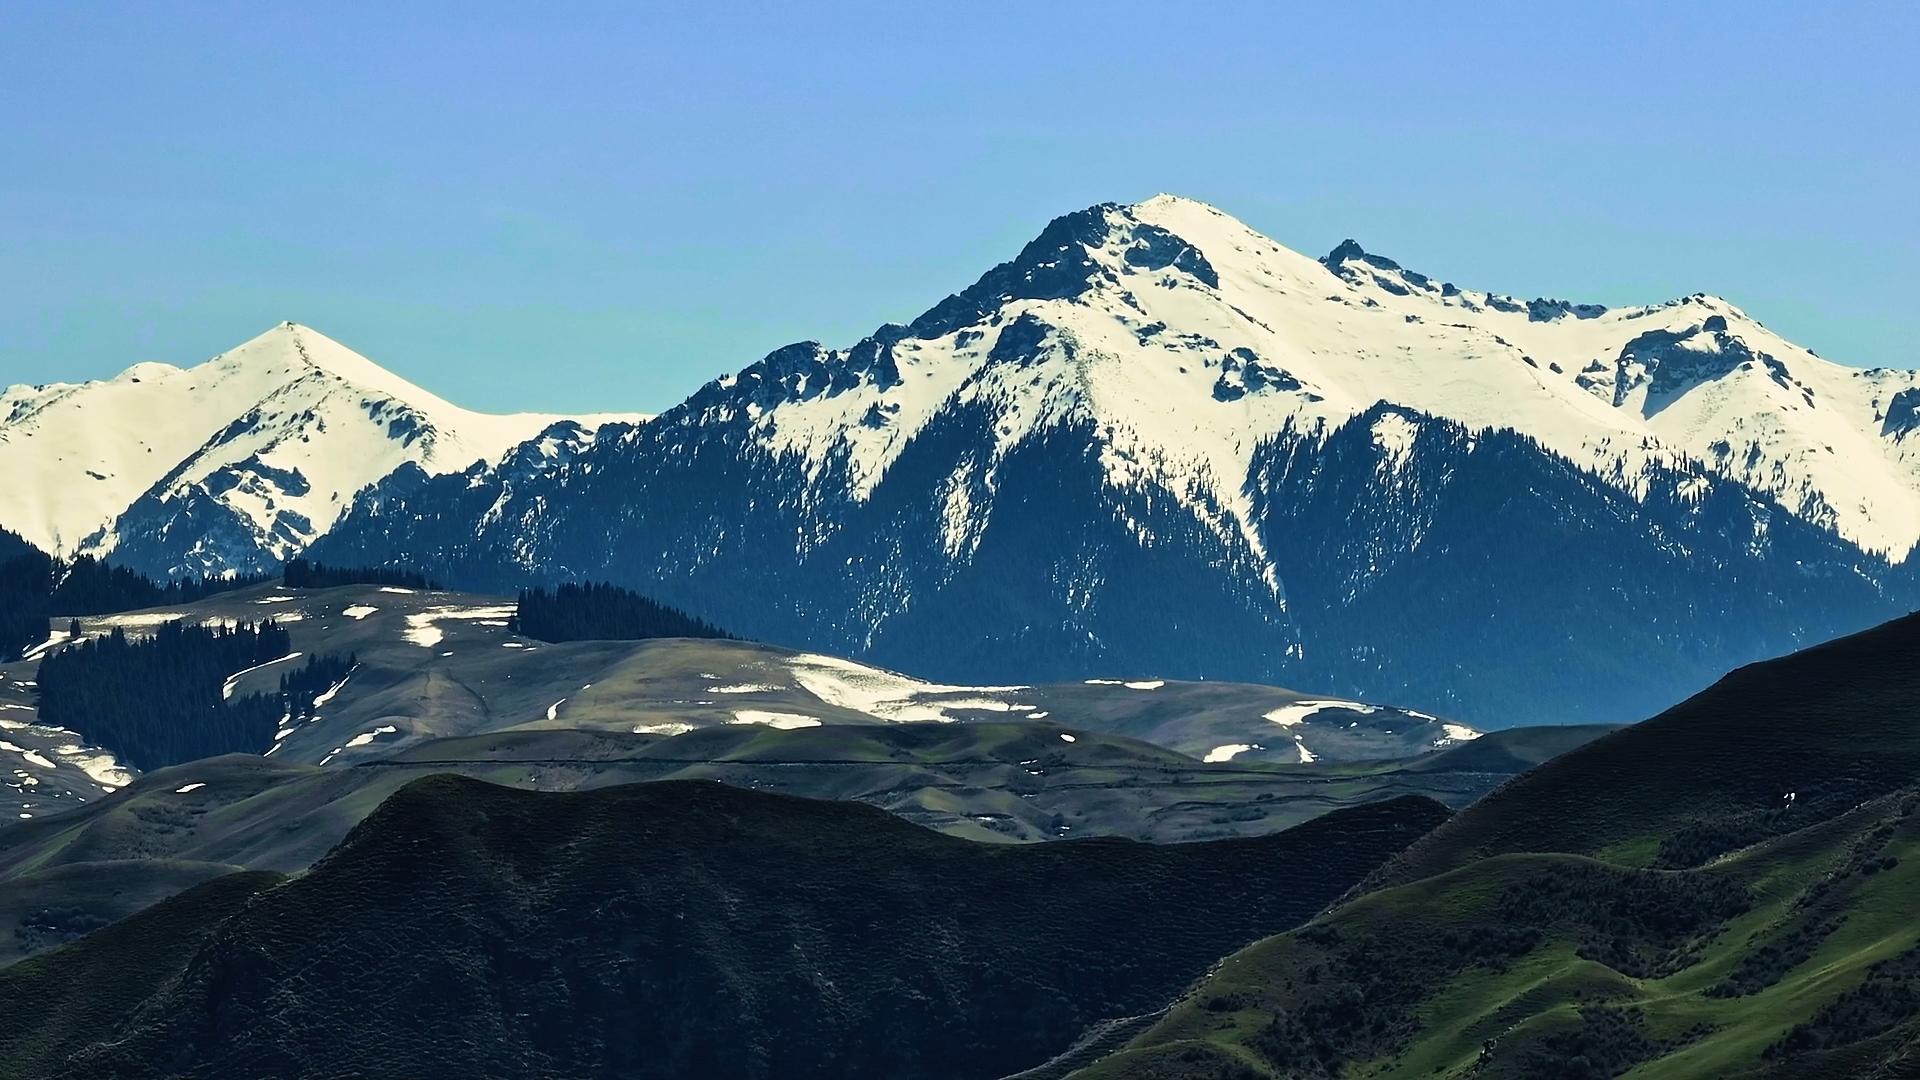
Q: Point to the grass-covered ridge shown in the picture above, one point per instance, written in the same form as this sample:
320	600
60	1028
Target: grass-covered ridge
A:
1725	890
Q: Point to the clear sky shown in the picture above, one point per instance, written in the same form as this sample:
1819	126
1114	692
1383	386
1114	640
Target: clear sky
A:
576	206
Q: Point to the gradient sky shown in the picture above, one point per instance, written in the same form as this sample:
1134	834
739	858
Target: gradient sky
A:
576	206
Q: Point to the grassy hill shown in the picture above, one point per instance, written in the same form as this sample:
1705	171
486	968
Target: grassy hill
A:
1652	904
667	929
61	875
1832	726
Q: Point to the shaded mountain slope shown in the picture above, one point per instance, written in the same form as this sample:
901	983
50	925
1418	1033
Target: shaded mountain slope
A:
684	929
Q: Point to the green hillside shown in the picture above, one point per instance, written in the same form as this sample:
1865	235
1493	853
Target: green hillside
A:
1653	905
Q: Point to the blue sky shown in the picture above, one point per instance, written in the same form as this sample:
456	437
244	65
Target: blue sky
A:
579	206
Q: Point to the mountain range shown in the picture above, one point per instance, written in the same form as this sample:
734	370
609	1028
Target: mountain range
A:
1154	444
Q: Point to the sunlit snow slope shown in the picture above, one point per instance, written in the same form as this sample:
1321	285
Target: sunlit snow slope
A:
247	456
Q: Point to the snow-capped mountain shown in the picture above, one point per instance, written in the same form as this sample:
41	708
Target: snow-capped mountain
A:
229	465
1157	441
1188	338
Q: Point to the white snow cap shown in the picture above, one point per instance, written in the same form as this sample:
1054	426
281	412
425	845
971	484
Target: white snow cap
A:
1196	338
288	401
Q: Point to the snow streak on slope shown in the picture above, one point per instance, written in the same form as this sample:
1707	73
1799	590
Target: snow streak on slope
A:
279	433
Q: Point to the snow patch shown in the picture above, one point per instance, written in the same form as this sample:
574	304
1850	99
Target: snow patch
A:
226	688
327	695
100	765
888	695
33	757
423	627
53	638
1298	711
783	720
366	737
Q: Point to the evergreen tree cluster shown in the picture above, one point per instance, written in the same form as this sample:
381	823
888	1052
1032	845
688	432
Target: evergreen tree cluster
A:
301	687
91	587
305	574
26	580
35	586
157	701
601	612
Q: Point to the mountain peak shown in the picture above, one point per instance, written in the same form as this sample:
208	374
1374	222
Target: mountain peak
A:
296	345
1347	249
1167	199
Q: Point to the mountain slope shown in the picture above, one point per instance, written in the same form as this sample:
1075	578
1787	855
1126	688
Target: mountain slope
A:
1135	444
685	930
1723	890
232	464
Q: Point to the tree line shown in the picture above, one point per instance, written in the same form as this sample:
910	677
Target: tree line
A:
35	586
602	612
306	574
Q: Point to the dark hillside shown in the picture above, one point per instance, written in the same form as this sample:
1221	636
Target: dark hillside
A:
696	930
76	992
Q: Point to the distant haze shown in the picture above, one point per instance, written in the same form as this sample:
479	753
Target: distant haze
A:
595	208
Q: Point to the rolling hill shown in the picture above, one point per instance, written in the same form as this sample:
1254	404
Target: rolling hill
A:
668	929
444	684
437	664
